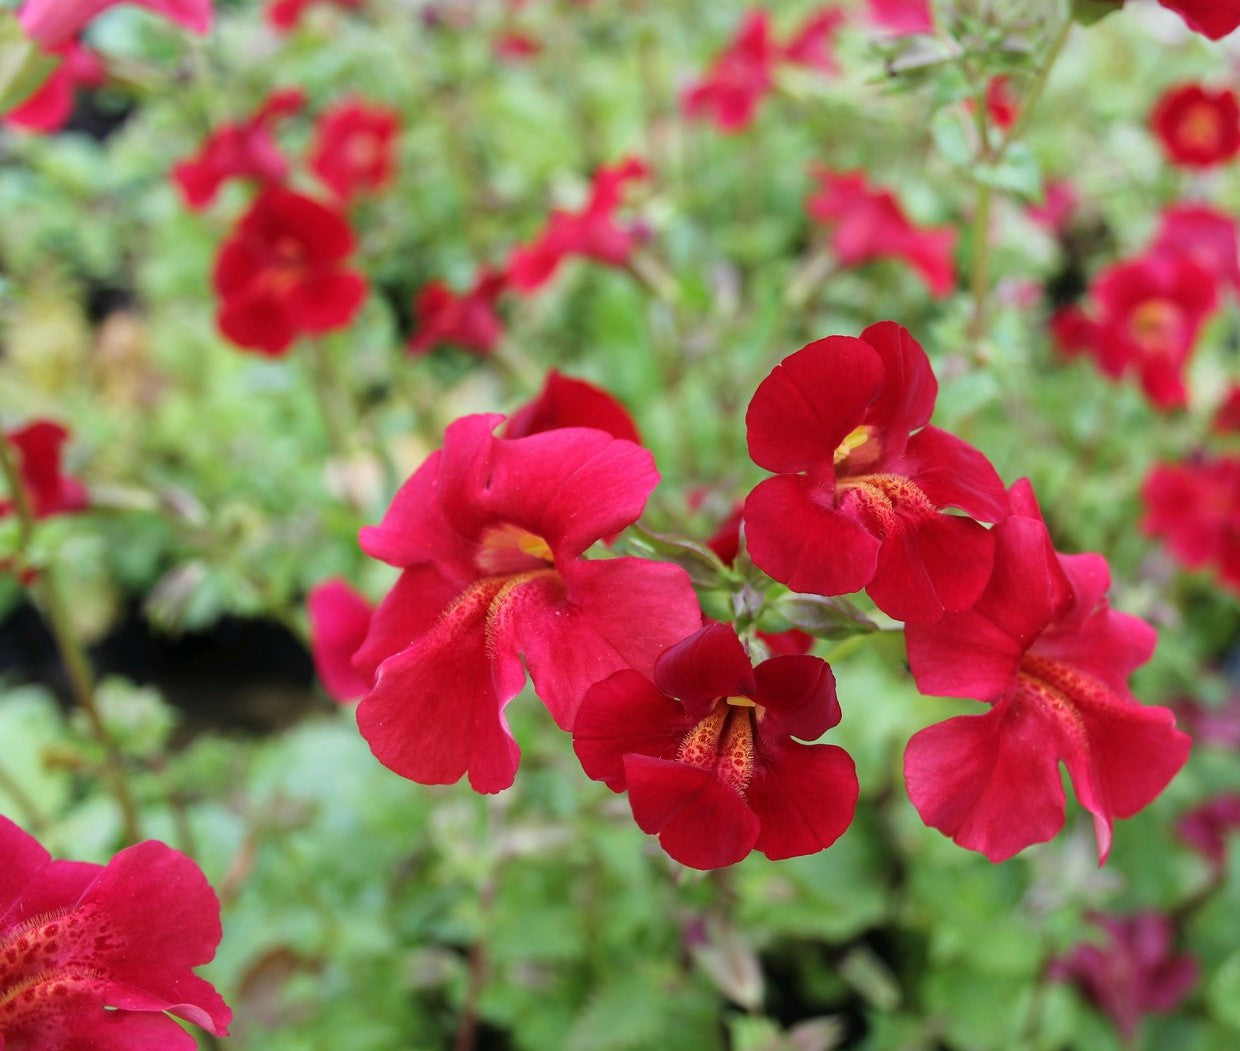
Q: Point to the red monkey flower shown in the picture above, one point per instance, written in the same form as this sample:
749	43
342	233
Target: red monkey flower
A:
858	497
1135	973
738	79
466	319
1045	650
245	150
869	224
1213	18
1195	508
902	16
339	621
91	956
284	15
37	446
1205	235
352	152
707	752
1227	417
592	232
282	273
55	22
1197	128
811	43
490	534
568	402
51	106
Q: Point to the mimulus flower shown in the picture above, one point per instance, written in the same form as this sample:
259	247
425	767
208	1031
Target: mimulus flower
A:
1197	128
283	15
490	534
282	273
710	751
902	16
55	22
867	224
738	79
339	621
353	147
1205	235
568	402
464	319
1205	828
51	106
1044	649
37	449
811	43
244	150
858	499
1195	509
91	956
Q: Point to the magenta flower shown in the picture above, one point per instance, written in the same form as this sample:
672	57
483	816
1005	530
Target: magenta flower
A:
91	956
568	402
902	16
1195	508
858	498
738	79
51	106
1205	235
465	319
1044	649
1205	828
339	621
707	752
1136	971
55	22
354	146
490	533
50	492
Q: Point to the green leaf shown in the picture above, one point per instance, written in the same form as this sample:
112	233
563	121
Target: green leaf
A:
1223	992
1017	173
699	561
824	617
1087	12
23	67
948	133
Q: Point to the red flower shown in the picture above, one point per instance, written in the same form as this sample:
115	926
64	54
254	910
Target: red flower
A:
1206	236
902	16
245	150
37	446
516	46
339	621
738	79
591	232
1150	311
1205	828
1059	202
568	402
1050	656
283	15
55	22
811	44
353	150
490	534
1227	418
1197	128
858	498
282	273
1001	105
50	107
466	319
92	955
1195	508
869	224
1213	18
1134	974
707	755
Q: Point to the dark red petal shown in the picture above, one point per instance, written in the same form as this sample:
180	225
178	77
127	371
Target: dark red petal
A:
413	606
257	323
709	664
330	300
803	544
798	695
954	474
804	796
990	782
606	615
437	709
626	713
810	402
909	388
339	622
701	821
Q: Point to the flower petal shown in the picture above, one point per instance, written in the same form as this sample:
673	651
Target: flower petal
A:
804	796
626	713
798	695
709	664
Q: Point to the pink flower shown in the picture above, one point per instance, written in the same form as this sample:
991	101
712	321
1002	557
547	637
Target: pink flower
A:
568	402
902	16
283	273
1134	973
1195	508
37	448
1196	127
869	224
465	319
1043	648
1206	236
245	150
91	956
812	43
353	147
1205	828
55	22
862	483
707	752
490	534
738	79
591	232
284	15
339	621
51	106
1059	202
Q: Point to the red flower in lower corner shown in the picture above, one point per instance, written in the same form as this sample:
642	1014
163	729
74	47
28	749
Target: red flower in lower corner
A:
1134	973
282	273
1045	650
868	224
91	956
490	534
707	752
51	106
50	492
859	500
1197	128
353	147
465	319
1195	508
